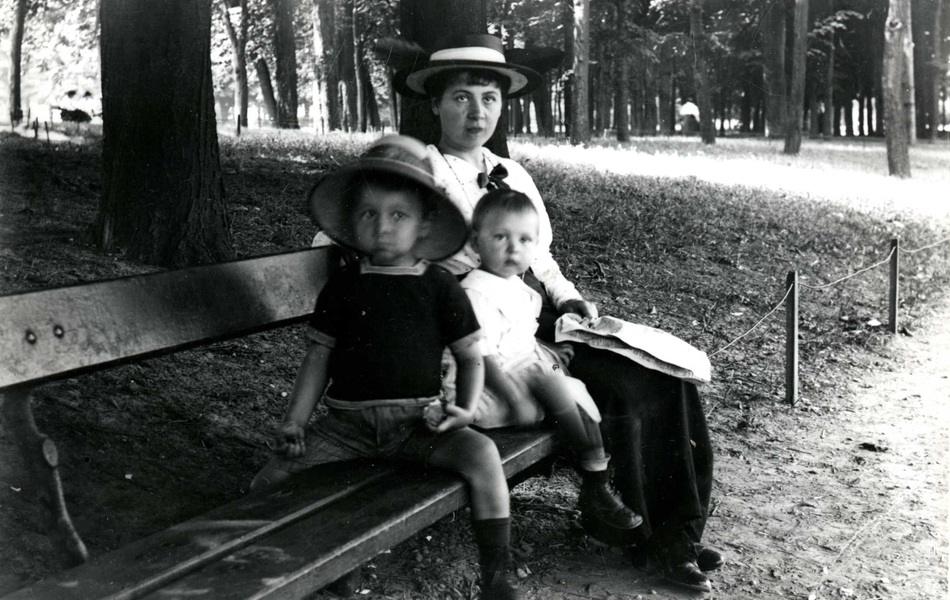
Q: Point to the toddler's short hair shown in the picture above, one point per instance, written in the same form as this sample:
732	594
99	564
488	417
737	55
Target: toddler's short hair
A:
389	183
499	200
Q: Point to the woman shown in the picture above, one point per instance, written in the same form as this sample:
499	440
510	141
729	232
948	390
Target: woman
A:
653	424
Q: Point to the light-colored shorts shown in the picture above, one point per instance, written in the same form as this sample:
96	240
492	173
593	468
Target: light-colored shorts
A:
389	429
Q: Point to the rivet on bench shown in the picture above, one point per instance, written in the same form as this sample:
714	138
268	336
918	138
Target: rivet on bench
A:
30	337
58	331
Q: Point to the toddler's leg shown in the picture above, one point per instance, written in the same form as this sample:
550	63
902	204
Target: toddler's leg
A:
476	458
600	506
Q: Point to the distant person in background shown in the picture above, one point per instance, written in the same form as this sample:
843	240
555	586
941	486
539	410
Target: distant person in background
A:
653	424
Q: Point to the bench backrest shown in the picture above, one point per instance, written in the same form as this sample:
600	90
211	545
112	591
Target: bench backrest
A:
54	333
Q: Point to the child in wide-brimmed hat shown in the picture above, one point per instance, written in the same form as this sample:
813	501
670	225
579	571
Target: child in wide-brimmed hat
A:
377	336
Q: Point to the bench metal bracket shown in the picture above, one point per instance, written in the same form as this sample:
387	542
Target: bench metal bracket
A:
41	459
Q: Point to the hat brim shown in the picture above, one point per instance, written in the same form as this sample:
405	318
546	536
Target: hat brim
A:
329	199
411	82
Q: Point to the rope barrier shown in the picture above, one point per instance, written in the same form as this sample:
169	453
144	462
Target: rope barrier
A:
855	274
759	322
937	243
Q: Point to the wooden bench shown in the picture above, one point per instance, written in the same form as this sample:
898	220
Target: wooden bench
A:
284	543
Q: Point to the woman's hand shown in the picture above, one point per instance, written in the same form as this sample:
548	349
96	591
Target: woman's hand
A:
564	351
289	440
587	310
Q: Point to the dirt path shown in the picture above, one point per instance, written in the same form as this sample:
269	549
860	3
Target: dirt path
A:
804	511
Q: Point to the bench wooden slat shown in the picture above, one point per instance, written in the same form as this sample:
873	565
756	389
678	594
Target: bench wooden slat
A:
92	325
296	561
326	525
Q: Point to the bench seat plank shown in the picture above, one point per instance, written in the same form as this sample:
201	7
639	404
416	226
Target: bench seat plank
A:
60	332
299	538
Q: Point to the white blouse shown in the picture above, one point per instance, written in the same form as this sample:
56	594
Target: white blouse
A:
458	180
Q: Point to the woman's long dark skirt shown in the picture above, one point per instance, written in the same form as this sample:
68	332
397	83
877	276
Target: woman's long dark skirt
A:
654	428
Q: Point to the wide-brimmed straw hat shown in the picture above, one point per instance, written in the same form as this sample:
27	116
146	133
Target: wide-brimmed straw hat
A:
472	51
400	158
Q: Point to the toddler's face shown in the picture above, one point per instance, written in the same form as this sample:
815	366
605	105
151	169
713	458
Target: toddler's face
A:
507	242
387	224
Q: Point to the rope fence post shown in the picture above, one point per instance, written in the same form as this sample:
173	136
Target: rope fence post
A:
894	293
791	338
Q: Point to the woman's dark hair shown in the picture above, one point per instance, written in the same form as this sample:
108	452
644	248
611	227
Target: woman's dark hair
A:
504	201
437	84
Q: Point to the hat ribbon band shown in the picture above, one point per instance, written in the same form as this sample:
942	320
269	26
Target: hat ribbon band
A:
468	53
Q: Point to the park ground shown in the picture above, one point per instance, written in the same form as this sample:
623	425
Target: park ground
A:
844	495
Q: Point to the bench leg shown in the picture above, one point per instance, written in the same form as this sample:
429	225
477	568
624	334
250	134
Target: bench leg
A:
42	459
347	585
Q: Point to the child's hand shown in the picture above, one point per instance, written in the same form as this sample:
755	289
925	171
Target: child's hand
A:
434	413
564	351
587	310
456	417
289	440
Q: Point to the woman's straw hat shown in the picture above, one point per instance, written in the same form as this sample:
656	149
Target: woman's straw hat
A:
472	51
397	158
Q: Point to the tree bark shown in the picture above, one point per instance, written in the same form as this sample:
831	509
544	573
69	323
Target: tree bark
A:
895	117
348	66
285	51
774	62
665	88
326	48
16	61
910	101
622	104
267	90
567	25
650	113
938	73
580	96
707	127
542	107
793	125
829	124
163	195
426	22
370	113
813	119
238	38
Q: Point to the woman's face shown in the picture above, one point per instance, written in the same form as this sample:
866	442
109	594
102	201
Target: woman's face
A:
468	113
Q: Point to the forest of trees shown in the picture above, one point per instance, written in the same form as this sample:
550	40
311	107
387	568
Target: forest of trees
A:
776	68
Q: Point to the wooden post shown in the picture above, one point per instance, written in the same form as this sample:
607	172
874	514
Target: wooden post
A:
36	129
239	125
894	295
791	338
46	127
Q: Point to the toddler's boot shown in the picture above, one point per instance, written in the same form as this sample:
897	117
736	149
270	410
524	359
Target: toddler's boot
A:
601	507
496	569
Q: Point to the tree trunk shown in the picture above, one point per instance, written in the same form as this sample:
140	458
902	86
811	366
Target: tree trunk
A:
848	109
793	125
813	110
938	74
829	125
238	38
622	104
285	52
707	126
526	113
426	22
774	71
348	66
267	90
650	113
745	108
326	46
910	101
895	116
542	107
163	196
16	59
567	25
666	88
370	114
580	96
395	101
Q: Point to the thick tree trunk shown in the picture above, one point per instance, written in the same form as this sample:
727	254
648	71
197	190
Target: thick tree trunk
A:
285	51
370	113
16	60
910	101
526	113
895	116
348	66
707	127
326	45
774	62
622	103
567	26
238	38
580	96
745	108
650	112
793	125
848	109
267	90
427	22
666	88
938	73
830	123
163	195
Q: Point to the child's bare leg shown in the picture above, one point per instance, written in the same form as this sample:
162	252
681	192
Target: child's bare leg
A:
267	477
600	506
476	458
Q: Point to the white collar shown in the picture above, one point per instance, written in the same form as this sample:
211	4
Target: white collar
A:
367	268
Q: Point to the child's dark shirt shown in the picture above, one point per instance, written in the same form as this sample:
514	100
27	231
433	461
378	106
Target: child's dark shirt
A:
388	327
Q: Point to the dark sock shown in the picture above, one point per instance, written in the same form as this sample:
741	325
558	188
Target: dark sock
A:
492	532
